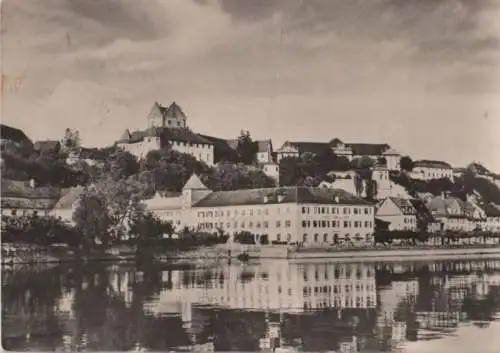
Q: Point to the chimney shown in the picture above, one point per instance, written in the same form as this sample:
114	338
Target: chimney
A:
32	183
443	195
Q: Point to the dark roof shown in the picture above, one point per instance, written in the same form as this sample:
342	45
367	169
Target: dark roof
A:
14	188
18	194
426	163
12	134
183	134
491	210
368	149
221	147
178	134
289	194
173	111
47	145
264	145
404	205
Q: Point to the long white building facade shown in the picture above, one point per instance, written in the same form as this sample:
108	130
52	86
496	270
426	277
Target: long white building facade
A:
285	214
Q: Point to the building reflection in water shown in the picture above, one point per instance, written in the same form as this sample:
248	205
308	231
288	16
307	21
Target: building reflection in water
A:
269	306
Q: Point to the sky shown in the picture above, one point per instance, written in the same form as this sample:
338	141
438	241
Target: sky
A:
421	75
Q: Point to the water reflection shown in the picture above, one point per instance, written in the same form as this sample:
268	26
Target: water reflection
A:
353	307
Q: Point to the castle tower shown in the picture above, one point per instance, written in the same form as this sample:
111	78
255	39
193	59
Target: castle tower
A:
172	117
193	191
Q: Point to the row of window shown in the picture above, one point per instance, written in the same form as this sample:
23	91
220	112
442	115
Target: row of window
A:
337	288
336	224
338	274
189	144
335	238
243	225
244	212
336	210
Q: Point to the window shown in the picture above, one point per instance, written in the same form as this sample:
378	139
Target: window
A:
251	212
345	210
278	237
278	224
242	224
304	239
303	210
266	211
258	224
355	211
288	224
243	212
228	225
315	224
304	224
325	237
323	224
266	224
250	224
346	224
228	213
316	237
288	237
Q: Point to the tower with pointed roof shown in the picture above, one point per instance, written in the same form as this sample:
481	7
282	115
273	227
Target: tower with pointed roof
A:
193	191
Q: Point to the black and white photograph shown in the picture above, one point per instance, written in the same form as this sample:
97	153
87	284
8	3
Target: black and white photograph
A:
250	176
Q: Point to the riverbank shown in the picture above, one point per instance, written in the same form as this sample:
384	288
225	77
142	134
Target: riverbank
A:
34	254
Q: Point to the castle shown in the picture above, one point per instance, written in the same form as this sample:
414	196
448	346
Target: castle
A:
167	126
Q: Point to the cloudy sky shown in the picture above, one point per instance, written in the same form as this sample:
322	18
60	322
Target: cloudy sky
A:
422	75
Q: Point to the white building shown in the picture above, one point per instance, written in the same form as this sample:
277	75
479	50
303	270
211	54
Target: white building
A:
492	221
399	212
428	170
276	286
284	214
376	152
167	128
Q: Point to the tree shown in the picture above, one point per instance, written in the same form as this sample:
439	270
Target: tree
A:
71	140
358	184
123	202
91	218
121	164
246	149
362	163
406	163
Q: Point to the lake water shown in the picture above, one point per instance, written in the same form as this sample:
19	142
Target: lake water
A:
451	306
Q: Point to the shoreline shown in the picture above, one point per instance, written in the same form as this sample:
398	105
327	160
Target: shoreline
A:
40	255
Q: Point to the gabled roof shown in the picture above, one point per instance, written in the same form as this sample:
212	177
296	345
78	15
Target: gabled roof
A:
125	136
335	142
194	183
12	134
426	163
288	194
174	111
404	205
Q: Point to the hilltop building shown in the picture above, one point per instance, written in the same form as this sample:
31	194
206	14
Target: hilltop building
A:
376	152
12	135
285	214
428	170
167	126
